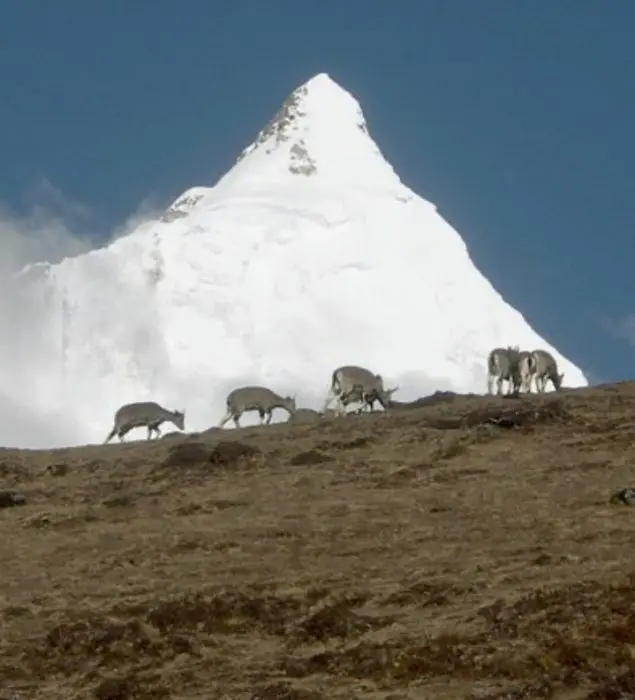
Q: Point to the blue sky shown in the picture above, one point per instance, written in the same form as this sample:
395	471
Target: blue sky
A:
514	118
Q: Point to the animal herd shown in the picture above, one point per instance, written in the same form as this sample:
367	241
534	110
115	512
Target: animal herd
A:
519	368
349	384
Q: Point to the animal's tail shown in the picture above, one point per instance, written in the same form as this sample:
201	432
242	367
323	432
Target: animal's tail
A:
333	389
492	371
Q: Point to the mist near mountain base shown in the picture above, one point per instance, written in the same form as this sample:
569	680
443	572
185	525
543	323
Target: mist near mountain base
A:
51	229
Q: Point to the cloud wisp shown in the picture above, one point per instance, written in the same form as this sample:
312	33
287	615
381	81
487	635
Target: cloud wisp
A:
53	228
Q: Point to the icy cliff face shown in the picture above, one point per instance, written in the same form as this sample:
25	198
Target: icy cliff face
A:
308	254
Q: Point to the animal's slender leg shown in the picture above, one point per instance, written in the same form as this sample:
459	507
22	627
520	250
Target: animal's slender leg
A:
225	418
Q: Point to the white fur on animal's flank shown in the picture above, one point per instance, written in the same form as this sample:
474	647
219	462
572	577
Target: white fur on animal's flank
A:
527	367
503	365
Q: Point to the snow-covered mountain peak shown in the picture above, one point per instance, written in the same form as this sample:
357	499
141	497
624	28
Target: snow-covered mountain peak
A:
319	134
281	272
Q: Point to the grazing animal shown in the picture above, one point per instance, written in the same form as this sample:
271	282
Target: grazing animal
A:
367	399
527	367
350	383
305	415
503	365
144	414
255	398
546	368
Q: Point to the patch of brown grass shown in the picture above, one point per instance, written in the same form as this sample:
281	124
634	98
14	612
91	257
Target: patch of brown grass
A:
463	548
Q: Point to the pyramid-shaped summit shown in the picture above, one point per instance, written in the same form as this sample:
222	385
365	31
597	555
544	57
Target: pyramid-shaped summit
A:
319	103
319	131
308	255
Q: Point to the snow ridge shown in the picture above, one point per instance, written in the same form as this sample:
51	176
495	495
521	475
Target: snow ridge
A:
308	254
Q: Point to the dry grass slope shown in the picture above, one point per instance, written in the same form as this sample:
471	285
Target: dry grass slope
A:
463	550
